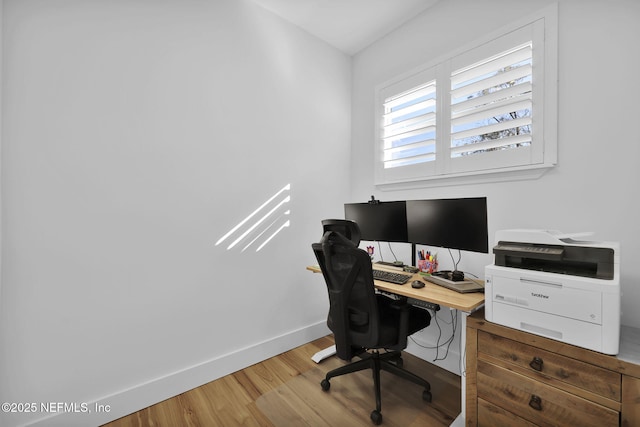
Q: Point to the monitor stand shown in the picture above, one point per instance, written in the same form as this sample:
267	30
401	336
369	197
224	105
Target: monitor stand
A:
413	255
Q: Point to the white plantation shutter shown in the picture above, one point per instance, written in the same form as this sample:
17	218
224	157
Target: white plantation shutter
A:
409	127
407	109
491	103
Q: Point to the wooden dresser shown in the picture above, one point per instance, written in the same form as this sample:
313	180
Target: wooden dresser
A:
514	378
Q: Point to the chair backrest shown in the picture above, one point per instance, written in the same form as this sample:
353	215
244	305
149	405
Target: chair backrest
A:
346	227
353	308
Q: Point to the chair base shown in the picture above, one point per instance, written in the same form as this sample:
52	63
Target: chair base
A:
390	362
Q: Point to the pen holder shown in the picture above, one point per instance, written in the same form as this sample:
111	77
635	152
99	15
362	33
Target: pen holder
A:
427	266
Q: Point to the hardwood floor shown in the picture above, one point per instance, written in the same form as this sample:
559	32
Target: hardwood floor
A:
285	390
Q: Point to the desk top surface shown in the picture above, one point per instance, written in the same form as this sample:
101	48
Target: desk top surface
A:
431	292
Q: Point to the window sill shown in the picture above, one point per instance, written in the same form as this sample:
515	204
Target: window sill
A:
478	177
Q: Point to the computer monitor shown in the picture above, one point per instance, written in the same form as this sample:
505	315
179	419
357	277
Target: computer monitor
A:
380	221
449	223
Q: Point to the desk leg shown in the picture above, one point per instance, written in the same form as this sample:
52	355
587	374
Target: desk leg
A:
459	421
323	354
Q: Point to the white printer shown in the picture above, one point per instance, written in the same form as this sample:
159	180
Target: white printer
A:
549	284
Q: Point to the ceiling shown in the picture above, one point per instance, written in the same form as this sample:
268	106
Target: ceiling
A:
349	25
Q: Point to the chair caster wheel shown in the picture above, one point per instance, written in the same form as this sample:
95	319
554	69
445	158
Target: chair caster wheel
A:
376	417
325	384
426	395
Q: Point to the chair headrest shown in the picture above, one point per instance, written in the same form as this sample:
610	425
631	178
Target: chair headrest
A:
345	227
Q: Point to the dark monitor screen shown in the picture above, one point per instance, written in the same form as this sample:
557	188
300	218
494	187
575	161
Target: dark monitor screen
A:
449	223
382	221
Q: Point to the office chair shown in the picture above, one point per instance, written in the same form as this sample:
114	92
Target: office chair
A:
362	321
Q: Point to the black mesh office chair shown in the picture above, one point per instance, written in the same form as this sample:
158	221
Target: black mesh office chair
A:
362	321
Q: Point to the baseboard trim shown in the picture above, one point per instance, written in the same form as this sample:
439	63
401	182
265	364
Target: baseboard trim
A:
146	394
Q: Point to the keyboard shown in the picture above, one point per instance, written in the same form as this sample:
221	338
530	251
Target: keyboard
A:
388	276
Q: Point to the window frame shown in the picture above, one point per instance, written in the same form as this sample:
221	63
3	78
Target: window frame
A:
497	165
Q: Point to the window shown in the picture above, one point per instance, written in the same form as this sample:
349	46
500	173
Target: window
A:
488	110
409	129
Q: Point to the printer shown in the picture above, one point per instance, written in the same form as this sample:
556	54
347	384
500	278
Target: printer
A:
553	285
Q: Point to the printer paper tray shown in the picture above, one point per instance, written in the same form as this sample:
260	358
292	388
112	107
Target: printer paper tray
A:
576	332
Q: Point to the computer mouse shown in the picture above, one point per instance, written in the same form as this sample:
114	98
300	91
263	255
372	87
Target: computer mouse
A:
417	284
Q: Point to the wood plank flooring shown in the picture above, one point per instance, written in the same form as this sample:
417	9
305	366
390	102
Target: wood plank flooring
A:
290	382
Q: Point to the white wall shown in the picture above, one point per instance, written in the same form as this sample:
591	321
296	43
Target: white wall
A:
139	132
592	187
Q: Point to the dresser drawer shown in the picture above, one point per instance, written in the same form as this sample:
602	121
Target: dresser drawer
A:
552	368
537	402
490	415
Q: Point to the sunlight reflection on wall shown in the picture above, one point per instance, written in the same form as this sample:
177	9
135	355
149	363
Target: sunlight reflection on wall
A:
261	225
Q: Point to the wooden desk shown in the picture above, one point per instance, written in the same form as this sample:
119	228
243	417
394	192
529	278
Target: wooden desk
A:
431	292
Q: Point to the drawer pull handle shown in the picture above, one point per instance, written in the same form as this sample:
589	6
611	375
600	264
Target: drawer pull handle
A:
535	402
536	364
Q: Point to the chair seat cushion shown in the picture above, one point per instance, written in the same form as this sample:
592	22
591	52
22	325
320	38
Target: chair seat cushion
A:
418	319
389	321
